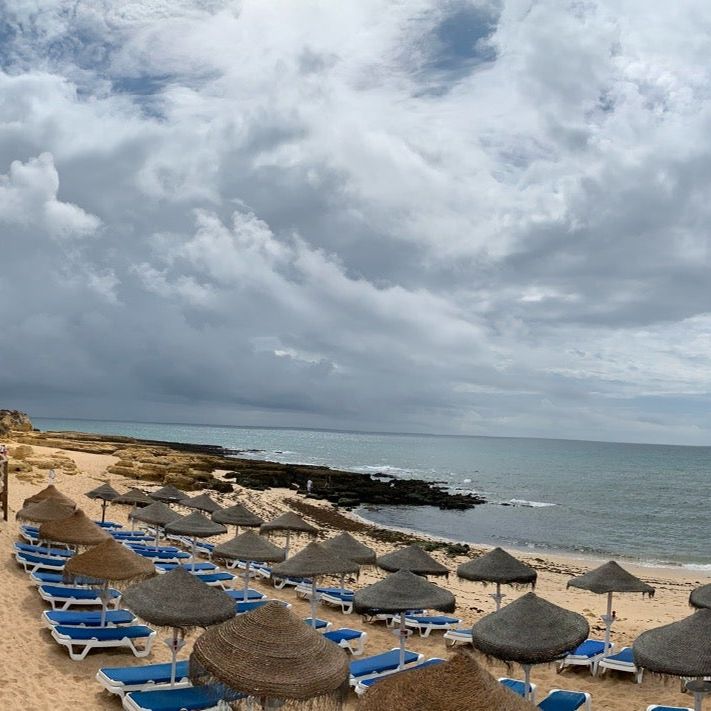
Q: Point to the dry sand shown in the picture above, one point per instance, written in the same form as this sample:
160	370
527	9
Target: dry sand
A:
38	674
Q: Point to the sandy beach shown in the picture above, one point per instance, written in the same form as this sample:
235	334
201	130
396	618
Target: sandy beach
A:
40	672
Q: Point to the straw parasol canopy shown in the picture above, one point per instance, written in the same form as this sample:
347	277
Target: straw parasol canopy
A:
411	558
611	578
202	502
312	561
169	494
403	591
195	525
45	510
237	515
498	566
178	599
110	561
77	529
270	653
49	492
133	497
678	649
249	546
156	514
608	579
345	546
105	492
288	521
701	597
530	630
460	683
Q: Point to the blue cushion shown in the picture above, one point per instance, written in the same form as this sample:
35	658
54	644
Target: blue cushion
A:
212	577
239	596
75	593
416	667
320	624
104	633
516	685
44	550
380	662
670	708
589	648
248	606
193	698
623	656
156	673
89	619
41	561
434	619
562	701
343	634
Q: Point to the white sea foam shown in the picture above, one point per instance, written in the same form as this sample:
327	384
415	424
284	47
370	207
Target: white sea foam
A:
531	504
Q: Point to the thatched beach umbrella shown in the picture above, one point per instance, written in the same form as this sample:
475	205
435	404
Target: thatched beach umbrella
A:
313	562
134	498
270	654
110	563
77	530
498	567
105	493
288	522
700	597
195	525
411	558
399	593
202	502
178	600
346	546
238	515
249	547
607	580
529	631
678	649
156	514
45	510
460	683
169	494
49	492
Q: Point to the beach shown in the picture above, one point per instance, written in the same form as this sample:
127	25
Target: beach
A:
40	672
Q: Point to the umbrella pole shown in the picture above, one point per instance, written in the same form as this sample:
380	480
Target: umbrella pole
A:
313	601
286	547
526	681
698	700
343	581
192	562
498	597
133	520
608	619
103	510
402	633
175	643
104	595
157	529
246	579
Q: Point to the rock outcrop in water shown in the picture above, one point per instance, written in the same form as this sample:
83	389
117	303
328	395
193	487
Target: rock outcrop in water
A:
14	421
194	466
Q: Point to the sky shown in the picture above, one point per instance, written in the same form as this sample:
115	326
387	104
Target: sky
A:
452	216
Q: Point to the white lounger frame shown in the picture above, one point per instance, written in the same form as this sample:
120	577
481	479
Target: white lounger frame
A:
454	637
604	664
67	602
573	660
88	644
420	657
424	628
122	689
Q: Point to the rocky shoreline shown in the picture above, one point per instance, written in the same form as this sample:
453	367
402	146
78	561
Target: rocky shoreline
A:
196	466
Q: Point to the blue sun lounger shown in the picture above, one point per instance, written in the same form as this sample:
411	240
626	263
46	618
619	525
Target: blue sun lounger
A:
62	598
215	580
109	524
121	680
249	605
203	567
252	594
363	686
518	686
559	700
87	638
43	550
381	664
192	698
588	654
32	563
338	598
57	579
320	626
87	618
622	661
654	707
350	639
458	636
424	624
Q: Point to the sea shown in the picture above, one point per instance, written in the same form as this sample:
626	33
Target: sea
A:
645	503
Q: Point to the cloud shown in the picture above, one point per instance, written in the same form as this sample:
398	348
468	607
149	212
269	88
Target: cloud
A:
474	216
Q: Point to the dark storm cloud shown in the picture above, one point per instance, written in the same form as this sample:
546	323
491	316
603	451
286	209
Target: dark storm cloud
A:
473	217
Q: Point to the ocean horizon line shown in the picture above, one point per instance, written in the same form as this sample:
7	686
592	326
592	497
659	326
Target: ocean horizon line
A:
385	433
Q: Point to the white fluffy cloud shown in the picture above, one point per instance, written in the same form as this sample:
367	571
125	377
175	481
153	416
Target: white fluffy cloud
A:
477	216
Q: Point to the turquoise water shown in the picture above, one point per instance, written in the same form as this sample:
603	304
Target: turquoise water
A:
644	502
